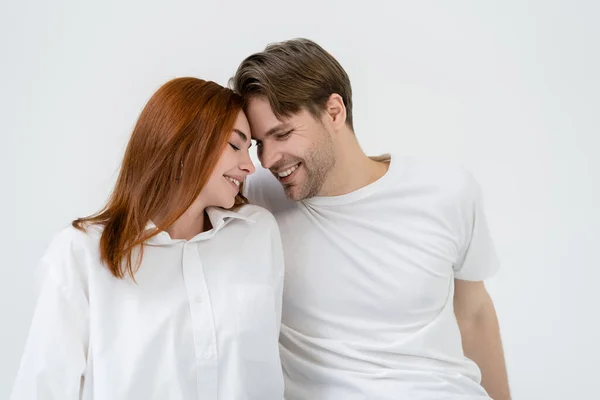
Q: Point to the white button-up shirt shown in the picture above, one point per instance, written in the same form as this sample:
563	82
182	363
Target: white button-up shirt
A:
200	322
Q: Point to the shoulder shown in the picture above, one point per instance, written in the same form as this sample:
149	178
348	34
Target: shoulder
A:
68	254
447	179
70	240
264	227
258	215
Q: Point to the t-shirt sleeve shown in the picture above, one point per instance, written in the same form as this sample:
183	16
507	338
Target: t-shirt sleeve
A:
477	259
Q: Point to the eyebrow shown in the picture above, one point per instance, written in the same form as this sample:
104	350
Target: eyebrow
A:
242	135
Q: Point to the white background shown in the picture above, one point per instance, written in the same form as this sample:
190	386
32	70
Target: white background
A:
510	89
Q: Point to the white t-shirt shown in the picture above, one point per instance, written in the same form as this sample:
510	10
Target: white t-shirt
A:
200	322
369	284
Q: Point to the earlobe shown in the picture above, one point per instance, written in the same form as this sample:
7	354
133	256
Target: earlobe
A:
336	110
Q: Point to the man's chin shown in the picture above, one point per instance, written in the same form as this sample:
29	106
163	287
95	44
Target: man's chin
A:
293	192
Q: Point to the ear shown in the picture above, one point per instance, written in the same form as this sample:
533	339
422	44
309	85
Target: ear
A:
336	111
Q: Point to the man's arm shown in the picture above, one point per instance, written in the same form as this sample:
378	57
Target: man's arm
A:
480	333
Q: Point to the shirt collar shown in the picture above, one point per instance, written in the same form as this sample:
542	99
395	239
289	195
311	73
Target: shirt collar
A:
219	217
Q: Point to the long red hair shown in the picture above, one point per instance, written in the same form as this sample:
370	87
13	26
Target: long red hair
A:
171	154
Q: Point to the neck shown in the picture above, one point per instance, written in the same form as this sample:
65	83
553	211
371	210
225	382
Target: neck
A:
191	223
353	168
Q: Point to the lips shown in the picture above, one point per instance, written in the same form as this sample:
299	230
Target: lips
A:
287	173
235	182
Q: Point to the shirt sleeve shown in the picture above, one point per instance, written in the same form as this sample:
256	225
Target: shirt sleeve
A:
55	356
478	259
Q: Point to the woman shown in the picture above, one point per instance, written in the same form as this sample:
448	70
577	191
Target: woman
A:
173	290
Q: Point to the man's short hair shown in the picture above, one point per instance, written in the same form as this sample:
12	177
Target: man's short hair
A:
292	75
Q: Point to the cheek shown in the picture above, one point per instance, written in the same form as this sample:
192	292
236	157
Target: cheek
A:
215	180
291	148
300	150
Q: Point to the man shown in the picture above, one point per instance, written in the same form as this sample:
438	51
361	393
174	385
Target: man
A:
385	256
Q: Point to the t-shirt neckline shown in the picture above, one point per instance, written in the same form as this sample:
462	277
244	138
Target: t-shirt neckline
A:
359	193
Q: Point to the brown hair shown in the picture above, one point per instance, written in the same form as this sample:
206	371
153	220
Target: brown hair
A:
292	75
175	145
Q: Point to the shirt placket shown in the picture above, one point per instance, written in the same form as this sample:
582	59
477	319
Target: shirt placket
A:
203	323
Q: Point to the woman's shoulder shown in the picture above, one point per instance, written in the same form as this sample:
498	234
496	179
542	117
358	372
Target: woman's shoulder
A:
73	243
258	215
68	256
82	237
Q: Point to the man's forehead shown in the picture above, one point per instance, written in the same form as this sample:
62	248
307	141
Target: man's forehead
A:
263	120
260	107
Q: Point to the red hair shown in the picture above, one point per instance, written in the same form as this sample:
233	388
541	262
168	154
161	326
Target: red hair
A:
174	147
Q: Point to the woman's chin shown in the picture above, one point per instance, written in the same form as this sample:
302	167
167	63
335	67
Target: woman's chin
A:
227	203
